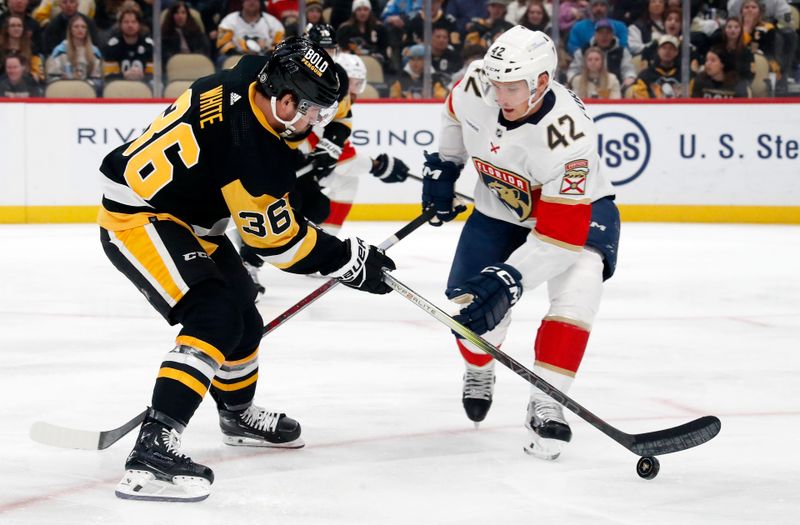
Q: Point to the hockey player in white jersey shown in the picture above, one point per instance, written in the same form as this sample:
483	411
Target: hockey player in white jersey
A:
544	212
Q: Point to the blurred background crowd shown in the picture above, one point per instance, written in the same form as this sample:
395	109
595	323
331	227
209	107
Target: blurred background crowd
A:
609	49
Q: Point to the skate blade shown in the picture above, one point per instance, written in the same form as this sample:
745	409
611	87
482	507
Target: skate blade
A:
142	485
543	448
244	441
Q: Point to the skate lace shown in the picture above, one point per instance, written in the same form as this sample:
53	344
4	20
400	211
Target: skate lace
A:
172	441
260	418
548	411
478	383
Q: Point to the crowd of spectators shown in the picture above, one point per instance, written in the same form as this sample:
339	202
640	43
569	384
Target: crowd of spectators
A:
608	48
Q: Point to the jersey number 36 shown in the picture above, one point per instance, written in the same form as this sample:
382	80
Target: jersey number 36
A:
149	169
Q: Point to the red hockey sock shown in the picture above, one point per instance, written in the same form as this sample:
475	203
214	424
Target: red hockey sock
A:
471	357
560	346
339	212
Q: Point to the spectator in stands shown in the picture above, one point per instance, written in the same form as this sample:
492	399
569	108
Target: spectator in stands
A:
779	12
47	10
76	58
594	80
662	78
180	33
617	58
628	11
730	40
15	40
719	80
569	13
409	84
106	16
673	26
582	32
395	18
15	82
248	32
129	54
314	12
485	30
363	34
56	31
444	58
648	28
416	26
287	12
469	53
284	10
464	11
32	27
759	34
515	10
341	10
536	18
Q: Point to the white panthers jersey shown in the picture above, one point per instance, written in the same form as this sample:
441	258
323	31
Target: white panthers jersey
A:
552	154
541	172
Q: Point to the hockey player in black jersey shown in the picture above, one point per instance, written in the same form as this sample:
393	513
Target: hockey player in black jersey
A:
218	152
328	166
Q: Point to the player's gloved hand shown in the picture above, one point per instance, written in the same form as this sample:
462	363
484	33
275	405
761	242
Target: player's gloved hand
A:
439	188
364	267
389	169
488	297
323	158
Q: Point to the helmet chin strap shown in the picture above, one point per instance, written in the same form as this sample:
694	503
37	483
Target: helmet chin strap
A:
288	124
533	101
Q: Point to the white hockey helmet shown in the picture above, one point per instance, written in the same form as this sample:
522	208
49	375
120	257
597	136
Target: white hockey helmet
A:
355	69
519	54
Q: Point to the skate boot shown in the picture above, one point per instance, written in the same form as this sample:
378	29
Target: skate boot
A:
477	391
156	471
548	430
256	427
253	271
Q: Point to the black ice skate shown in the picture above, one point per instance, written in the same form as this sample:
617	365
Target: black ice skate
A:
156	471
477	391
256	427
547	428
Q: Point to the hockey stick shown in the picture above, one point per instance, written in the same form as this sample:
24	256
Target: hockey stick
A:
655	443
57	436
459	195
330	283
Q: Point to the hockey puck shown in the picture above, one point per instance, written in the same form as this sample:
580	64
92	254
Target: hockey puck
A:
647	467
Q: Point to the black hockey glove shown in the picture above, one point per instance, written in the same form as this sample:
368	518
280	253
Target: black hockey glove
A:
490	295
389	169
364	267
323	158
439	188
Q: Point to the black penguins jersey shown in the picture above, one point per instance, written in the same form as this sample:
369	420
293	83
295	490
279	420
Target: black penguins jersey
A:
210	156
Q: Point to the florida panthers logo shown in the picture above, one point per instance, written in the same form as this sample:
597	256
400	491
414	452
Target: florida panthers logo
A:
512	190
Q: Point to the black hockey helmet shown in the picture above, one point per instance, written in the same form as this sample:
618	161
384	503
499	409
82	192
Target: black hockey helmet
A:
302	68
322	34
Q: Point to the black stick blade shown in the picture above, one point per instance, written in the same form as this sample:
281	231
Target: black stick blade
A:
678	438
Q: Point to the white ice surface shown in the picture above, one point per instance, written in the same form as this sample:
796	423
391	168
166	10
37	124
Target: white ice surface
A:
700	319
